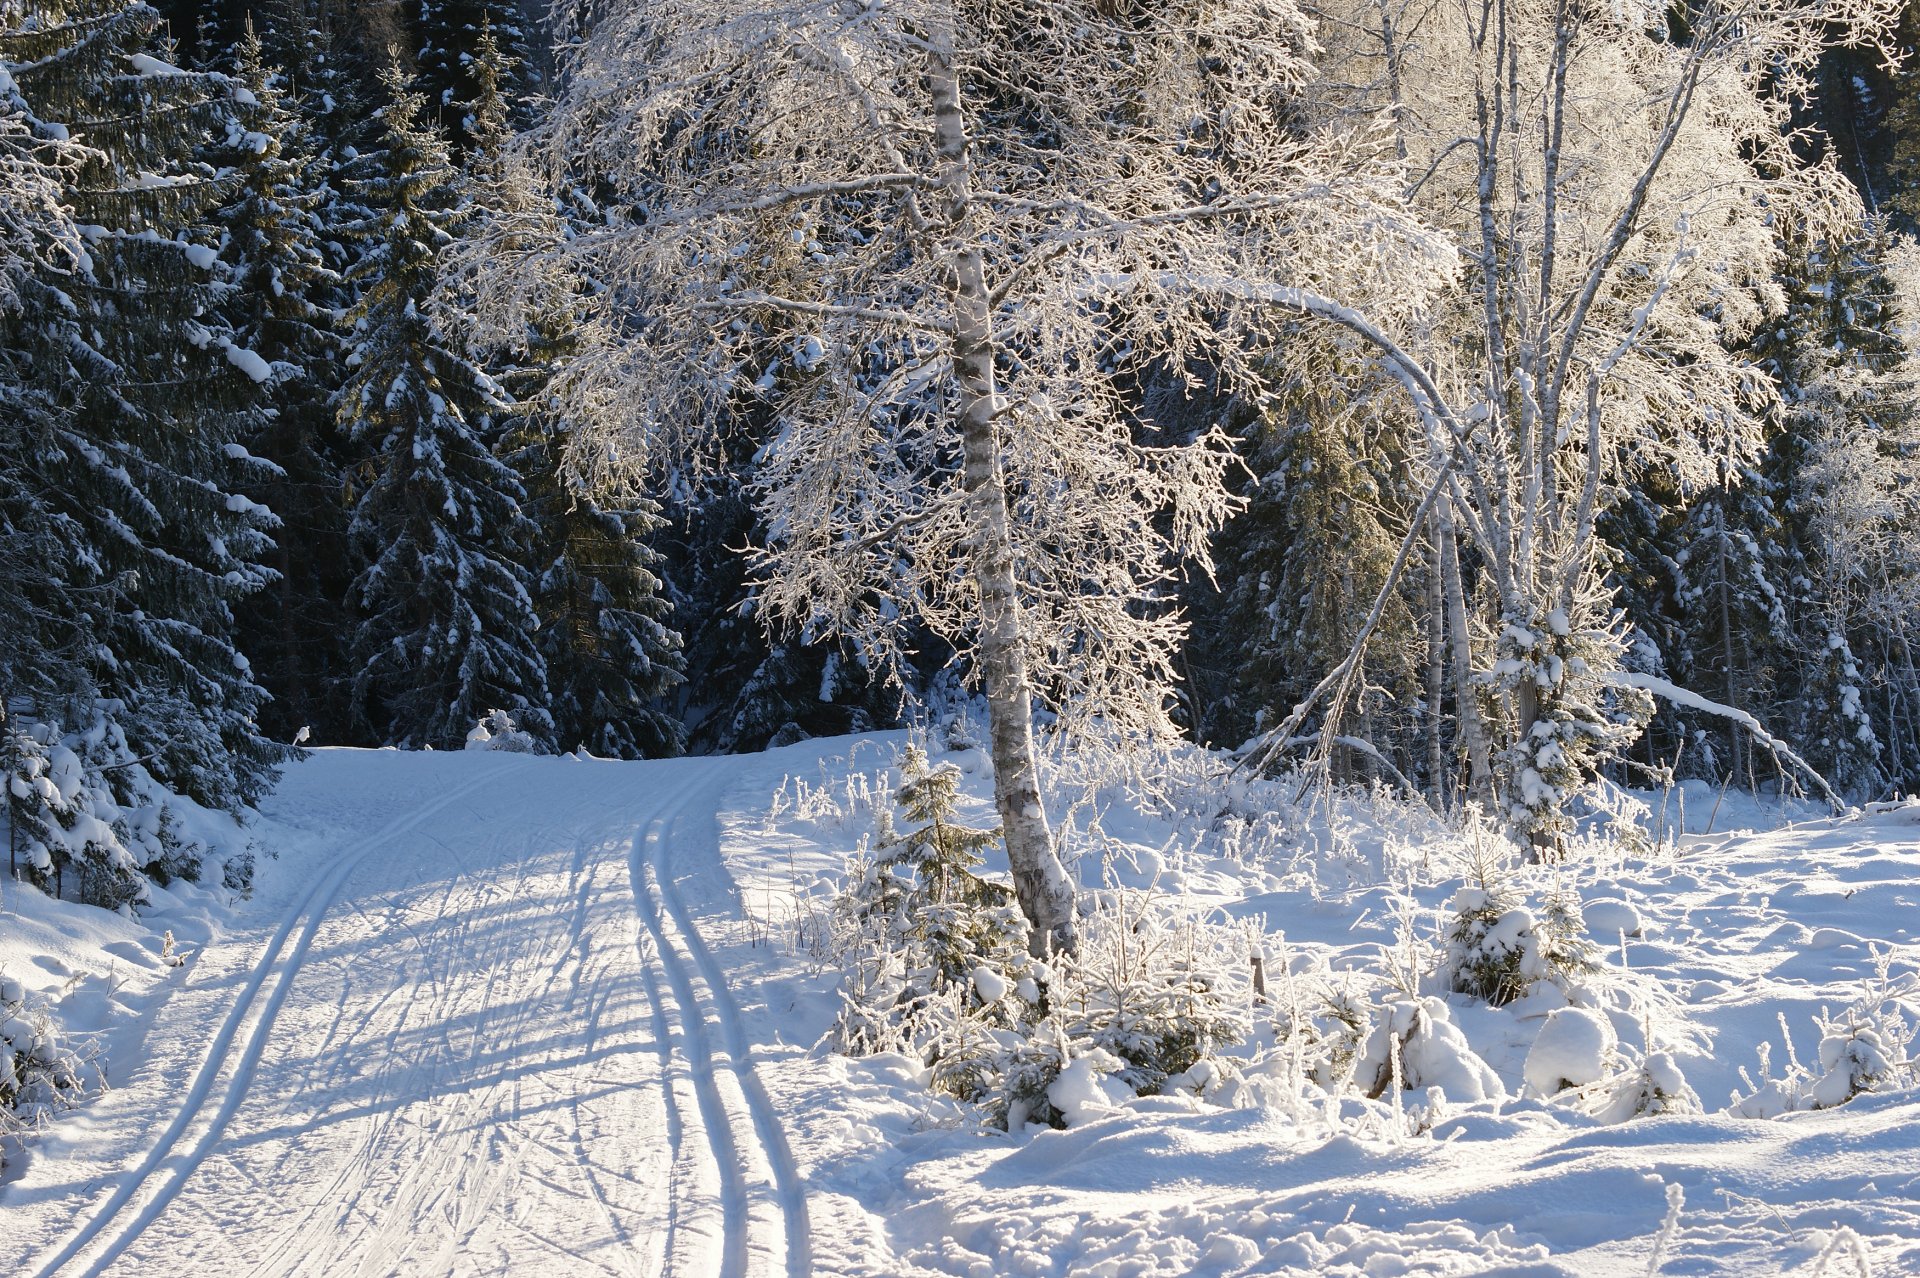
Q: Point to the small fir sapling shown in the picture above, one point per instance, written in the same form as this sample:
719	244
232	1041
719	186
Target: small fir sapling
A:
1653	1087
1499	950
1147	999
1868	1047
940	970
499	730
1332	1037
937	941
1415	1044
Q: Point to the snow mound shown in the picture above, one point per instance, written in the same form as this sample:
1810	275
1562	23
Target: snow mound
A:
1574	1048
1086	1089
1609	919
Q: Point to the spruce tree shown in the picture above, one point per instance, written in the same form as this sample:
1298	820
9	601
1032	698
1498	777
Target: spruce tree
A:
135	399
448	630
448	38
279	308
611	655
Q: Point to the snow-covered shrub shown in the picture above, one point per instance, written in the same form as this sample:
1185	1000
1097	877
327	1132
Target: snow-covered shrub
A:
1328	1030
937	966
499	730
1858	1056
1144	1007
1577	1060
39	1071
1431	1051
1148	987
931	939
1652	1087
1868	1047
1499	949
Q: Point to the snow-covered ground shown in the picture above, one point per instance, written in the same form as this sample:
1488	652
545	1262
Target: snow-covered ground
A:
487	1013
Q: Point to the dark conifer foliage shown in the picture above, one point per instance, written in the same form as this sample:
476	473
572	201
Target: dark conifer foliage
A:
448	36
610	652
448	630
142	397
747	689
281	307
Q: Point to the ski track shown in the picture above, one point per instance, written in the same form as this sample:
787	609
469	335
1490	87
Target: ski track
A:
461	1060
119	1220
763	1222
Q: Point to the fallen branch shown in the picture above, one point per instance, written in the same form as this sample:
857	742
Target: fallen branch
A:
1679	696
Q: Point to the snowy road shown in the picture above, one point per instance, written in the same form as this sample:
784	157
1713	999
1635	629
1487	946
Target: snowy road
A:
470	1024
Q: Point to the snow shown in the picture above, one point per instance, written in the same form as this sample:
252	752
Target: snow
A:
1084	1090
1609	919
488	1012
147	64
1575	1047
249	363
991	985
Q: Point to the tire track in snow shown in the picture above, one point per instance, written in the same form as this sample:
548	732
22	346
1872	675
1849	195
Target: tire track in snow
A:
764	1229
248	1024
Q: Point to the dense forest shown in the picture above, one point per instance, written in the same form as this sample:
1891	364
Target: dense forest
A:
1504	410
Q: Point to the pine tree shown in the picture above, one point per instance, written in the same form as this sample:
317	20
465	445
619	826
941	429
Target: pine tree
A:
135	398
274	240
448	630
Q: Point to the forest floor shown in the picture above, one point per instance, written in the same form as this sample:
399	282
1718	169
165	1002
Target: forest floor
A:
488	1013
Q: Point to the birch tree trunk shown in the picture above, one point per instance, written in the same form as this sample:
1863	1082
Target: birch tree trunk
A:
1040	880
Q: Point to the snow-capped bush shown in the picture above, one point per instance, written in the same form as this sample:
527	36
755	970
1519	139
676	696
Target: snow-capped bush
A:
499	730
1652	1087
937	967
1868	1047
39	1072
1499	949
1329	1031
1431	1052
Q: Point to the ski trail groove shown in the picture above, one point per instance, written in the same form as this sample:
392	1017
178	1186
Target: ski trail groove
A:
121	1219
760	1202
772	1137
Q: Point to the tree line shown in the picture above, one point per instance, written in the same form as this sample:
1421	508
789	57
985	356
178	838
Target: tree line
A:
1504	399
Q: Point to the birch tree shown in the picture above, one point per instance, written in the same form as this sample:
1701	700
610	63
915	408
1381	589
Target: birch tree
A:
941	243
1615	178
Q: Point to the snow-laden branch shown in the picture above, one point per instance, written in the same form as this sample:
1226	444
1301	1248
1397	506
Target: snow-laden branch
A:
1694	701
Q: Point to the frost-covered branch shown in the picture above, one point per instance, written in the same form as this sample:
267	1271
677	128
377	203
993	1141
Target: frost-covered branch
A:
1694	701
